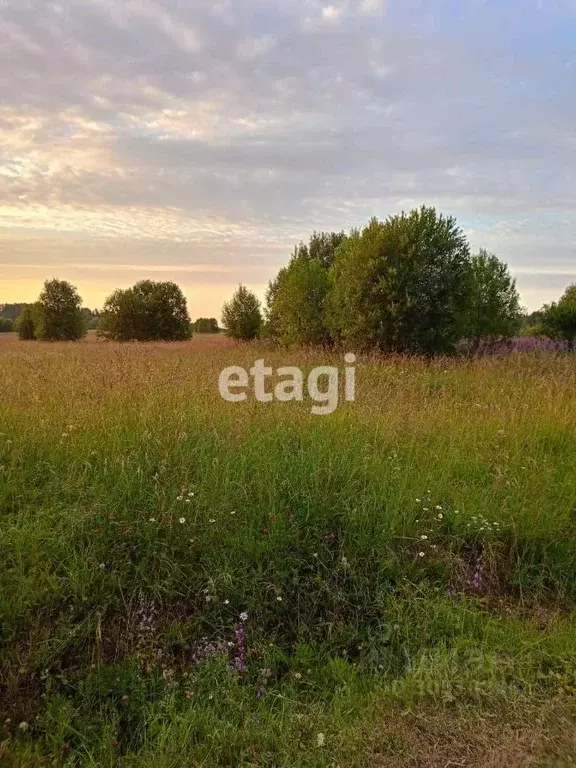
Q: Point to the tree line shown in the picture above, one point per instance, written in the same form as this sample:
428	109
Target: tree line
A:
149	311
406	285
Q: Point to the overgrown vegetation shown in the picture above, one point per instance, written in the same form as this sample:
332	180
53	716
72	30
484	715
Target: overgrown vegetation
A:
186	581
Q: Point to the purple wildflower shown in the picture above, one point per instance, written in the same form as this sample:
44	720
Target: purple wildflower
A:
239	662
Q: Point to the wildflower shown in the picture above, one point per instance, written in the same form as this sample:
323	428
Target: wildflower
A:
102	566
212	520
320	740
279	598
23	726
182	520
420	554
179	498
233	512
424	537
344	562
190	494
297	676
438	506
152	520
244	616
187	501
440	516
226	602
418	501
240	659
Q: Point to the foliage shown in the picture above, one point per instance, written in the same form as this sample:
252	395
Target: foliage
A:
242	316
6	325
401	285
149	311
91	318
493	308
296	298
12	311
321	247
296	303
25	324
57	314
559	318
206	325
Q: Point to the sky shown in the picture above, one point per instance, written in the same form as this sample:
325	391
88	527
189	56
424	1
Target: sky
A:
200	141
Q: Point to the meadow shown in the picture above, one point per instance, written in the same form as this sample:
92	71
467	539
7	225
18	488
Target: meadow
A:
190	582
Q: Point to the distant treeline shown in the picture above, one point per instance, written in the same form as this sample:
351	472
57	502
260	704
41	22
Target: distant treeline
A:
406	285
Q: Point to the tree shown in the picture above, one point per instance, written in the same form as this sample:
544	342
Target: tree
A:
296	298
559	318
6	325
401	285
296	304
149	311
242	316
25	324
58	316
206	325
91	318
493	312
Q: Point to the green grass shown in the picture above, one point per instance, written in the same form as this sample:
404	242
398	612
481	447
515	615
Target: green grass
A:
118	622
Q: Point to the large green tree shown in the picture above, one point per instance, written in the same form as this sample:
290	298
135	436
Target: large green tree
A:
57	314
493	311
242	316
149	311
559	318
6	325
402	285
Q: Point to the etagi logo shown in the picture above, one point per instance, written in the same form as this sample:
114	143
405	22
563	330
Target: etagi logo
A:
291	387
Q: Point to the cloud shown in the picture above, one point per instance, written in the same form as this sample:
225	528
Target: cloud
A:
243	125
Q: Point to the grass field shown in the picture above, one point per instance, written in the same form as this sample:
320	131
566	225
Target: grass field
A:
190	582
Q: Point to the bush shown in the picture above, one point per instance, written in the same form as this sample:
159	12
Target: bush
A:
6	325
242	316
149	311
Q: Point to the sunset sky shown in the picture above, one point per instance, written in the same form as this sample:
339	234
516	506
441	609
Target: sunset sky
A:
200	141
